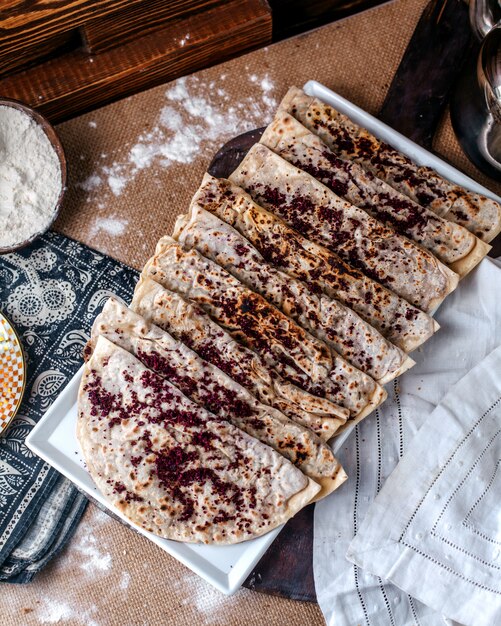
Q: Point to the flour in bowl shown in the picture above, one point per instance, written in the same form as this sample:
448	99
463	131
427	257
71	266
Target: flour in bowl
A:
30	178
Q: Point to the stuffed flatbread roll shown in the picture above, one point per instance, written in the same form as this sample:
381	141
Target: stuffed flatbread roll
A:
210	388
321	270
451	243
477	213
249	318
190	324
317	213
339	327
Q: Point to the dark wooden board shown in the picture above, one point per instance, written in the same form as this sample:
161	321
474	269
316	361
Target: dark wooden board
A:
24	26
286	568
134	21
421	86
227	159
53	53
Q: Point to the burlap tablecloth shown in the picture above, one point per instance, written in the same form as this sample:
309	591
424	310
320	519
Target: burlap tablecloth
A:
133	167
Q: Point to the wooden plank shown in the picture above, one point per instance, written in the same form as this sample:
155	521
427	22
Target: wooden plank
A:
286	568
137	20
40	52
66	86
25	25
434	57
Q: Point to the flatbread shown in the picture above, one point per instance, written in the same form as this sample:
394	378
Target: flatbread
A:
173	468
189	323
339	327
477	213
401	323
249	318
317	213
210	388
449	242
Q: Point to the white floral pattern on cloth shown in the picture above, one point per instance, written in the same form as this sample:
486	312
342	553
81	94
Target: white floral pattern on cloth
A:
41	303
46	387
72	345
18	430
43	260
52	291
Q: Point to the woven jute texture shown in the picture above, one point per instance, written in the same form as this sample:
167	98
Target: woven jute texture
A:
123	195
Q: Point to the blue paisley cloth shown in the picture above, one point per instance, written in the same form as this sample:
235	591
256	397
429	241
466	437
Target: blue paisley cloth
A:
52	292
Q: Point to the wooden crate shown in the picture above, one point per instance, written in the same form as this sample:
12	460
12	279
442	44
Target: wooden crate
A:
69	56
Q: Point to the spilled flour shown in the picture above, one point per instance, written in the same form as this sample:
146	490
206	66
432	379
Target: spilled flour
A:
125	581
91	559
90	183
85	551
111	225
210	603
197	118
58	612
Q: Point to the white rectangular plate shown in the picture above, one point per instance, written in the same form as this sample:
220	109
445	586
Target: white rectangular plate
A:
54	438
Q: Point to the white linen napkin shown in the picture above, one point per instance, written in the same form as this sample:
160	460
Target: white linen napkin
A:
470	329
435	528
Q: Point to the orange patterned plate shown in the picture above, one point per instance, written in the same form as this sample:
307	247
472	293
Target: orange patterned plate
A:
12	373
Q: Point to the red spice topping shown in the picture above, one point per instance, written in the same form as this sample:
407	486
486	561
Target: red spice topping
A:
340	137
127	377
222	516
411	314
331	177
173	474
127	495
217	398
293	210
204	439
169	370
210	353
101	400
414	218
241	249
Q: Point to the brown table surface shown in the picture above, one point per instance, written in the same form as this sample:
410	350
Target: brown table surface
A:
108	575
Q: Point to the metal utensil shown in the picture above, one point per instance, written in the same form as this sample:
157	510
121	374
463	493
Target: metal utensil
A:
484	15
476	106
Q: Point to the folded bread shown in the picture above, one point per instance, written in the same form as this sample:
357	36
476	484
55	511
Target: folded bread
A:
171	466
477	213
248	317
209	387
449	242
317	213
323	271
190	324
341	329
